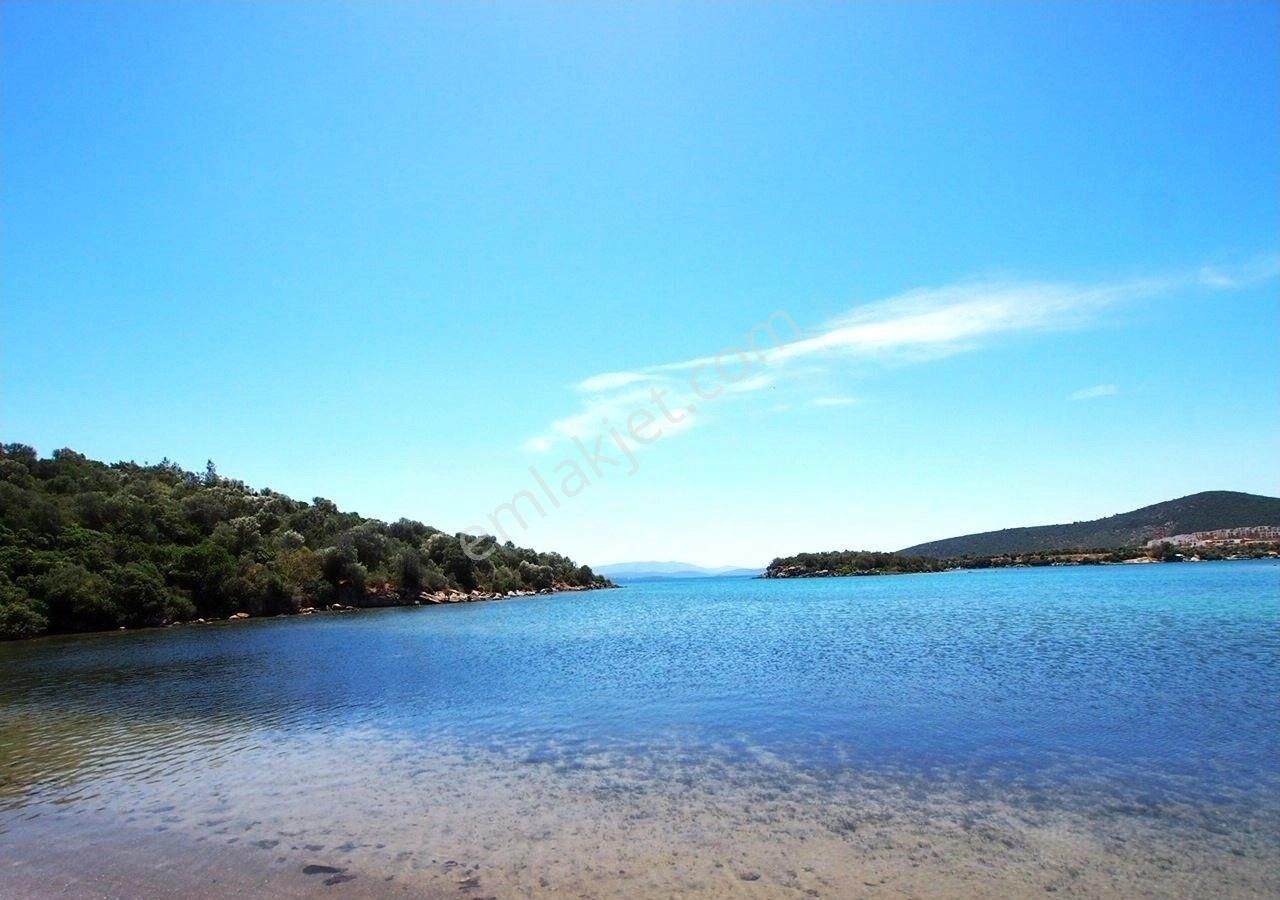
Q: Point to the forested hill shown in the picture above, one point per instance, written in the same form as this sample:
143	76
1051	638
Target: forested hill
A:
1199	512
88	546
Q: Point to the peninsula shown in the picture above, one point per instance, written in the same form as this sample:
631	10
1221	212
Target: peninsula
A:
1205	526
87	546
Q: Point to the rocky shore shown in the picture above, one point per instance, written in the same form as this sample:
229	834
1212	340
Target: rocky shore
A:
381	598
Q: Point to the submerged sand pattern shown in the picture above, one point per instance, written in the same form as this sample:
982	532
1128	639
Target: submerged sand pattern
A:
372	816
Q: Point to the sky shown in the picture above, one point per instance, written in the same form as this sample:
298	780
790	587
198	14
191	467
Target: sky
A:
919	269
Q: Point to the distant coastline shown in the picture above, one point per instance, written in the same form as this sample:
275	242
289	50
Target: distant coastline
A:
1209	517
1211	525
843	564
657	571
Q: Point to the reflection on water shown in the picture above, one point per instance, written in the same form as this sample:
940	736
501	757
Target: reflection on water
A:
1111	731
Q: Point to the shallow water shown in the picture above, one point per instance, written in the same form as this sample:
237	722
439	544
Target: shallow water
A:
1090	731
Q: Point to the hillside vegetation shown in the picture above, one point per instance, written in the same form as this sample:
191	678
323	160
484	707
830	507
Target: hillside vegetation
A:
88	546
851	562
1198	512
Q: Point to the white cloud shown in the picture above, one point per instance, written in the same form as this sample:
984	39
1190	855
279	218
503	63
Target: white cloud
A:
913	327
754	383
1093	393
609	381
933	322
1256	271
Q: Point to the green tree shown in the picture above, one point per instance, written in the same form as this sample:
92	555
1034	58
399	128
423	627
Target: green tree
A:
20	615
84	545
140	597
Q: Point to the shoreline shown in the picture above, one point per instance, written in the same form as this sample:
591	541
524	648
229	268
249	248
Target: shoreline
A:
424	599
791	572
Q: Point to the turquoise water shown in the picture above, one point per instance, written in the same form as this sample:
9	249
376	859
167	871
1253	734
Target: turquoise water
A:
1151	685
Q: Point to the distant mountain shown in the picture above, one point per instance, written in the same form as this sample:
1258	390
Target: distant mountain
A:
643	571
1199	512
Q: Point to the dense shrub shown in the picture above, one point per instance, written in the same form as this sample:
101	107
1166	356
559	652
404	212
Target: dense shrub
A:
85	546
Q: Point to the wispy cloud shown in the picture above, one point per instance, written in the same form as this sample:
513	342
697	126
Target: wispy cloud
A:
913	327
1093	393
1257	271
833	401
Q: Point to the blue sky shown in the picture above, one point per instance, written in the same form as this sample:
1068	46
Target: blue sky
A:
384	253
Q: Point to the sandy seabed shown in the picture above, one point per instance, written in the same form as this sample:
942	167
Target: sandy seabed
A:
378	819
